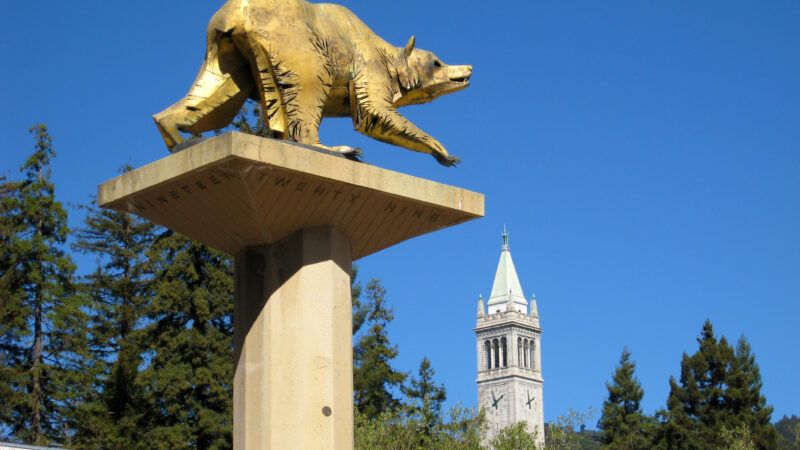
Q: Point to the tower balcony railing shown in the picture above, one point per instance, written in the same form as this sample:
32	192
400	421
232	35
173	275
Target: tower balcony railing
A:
508	370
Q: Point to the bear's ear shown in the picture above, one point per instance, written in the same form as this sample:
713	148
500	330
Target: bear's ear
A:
409	46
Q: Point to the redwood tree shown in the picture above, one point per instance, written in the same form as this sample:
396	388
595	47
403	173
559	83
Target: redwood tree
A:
118	294
40	318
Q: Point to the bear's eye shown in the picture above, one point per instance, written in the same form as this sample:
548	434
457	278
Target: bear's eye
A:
436	63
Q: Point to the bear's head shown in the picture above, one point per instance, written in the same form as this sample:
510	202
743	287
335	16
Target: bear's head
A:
422	76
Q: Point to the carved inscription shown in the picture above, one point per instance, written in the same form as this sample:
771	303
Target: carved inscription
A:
283	182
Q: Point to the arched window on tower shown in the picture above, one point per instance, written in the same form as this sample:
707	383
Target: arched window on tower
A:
519	352
525	352
533	353
505	352
496	353
487	348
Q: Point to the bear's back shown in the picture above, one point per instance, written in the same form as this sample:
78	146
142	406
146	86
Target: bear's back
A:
257	14
332	21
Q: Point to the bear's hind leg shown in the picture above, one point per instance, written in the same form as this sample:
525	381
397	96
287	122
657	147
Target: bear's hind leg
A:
292	87
216	96
263	72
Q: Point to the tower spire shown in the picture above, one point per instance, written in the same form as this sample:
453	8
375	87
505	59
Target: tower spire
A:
506	290
481	310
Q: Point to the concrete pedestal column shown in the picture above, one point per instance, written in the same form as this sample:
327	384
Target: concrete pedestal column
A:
293	386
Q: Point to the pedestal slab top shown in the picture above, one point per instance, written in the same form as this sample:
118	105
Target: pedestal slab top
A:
236	190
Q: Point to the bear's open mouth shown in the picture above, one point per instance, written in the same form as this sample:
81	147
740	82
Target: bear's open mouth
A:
460	80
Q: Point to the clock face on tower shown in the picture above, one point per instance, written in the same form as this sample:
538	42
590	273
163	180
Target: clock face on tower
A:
496	400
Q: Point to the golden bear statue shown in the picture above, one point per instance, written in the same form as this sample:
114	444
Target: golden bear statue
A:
303	61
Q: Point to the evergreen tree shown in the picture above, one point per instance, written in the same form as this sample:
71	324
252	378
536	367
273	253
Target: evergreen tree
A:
696	412
622	422
39	315
361	307
373	375
719	393
118	294
8	375
187	381
425	398
744	400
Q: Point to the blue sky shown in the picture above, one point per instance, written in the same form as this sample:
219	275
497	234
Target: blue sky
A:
645	157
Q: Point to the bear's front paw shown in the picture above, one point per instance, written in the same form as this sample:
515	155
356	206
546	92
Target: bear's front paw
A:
355	155
447	161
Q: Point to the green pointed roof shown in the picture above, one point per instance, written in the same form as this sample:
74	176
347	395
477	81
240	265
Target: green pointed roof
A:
506	282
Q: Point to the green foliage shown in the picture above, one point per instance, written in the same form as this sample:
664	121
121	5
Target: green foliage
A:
788	429
393	430
373	376
737	439
424	398
186	383
117	296
465	427
590	439
388	430
40	318
515	437
720	389
623	423
568	433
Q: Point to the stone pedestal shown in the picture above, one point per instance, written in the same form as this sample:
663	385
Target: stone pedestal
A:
293	386
294	218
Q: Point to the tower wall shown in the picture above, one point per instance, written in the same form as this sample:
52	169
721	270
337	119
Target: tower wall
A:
510	389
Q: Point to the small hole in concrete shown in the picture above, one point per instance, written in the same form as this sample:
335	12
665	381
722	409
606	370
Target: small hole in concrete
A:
326	411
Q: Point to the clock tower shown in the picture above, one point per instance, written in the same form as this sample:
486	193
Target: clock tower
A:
509	354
